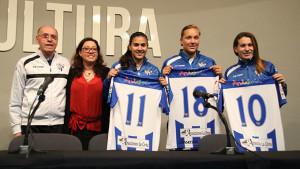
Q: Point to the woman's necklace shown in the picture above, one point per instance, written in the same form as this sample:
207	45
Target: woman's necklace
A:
87	75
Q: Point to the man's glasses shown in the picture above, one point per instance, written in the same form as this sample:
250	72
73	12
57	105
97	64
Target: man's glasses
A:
86	49
46	36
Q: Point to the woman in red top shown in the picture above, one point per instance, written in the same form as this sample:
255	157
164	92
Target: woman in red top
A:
87	111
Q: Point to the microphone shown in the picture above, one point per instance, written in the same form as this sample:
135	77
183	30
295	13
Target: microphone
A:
44	86
199	93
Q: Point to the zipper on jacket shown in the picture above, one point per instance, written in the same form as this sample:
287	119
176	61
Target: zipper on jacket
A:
51	104
247	72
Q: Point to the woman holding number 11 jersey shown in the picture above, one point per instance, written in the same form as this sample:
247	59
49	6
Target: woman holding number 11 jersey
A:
137	99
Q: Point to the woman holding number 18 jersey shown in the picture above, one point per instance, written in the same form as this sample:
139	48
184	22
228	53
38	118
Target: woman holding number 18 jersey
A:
185	73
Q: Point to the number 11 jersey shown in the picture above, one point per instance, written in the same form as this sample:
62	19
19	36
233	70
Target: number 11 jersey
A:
135	117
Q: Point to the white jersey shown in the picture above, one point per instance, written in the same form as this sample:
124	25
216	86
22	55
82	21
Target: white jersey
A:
189	120
254	113
135	116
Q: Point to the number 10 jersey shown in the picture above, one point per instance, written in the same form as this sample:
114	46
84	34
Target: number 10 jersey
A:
254	114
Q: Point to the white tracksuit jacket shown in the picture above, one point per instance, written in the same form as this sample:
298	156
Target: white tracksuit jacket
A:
29	74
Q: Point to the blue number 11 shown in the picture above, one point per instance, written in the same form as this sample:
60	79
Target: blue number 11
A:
129	109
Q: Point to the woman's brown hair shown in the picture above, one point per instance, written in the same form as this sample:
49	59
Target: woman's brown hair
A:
258	62
77	62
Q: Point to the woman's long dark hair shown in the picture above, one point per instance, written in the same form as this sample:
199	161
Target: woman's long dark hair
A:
77	62
125	59
260	64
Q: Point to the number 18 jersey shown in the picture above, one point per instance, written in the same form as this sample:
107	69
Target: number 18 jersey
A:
189	120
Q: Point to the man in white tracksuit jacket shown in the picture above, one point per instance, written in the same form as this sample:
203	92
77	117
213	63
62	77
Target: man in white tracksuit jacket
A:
30	73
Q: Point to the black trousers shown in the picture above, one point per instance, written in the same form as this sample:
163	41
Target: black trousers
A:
44	129
85	136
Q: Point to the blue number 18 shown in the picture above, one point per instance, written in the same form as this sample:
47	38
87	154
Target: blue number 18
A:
196	104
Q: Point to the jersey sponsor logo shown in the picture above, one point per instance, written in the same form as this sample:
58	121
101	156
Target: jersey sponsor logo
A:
244	83
188	73
134	142
194	132
60	66
202	64
254	142
133	81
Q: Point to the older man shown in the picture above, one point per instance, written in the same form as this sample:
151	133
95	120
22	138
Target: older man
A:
30	73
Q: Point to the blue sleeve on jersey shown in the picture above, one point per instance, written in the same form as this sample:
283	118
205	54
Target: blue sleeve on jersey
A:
113	98
106	82
281	101
164	102
220	103
170	93
285	89
274	71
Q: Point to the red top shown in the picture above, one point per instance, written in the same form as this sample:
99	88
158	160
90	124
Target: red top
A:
86	104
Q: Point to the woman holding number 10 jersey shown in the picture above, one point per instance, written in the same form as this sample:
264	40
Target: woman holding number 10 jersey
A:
255	89
136	97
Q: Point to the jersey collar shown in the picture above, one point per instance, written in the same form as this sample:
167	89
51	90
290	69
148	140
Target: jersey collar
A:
250	62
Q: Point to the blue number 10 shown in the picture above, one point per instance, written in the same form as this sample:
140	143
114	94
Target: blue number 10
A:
129	109
250	109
